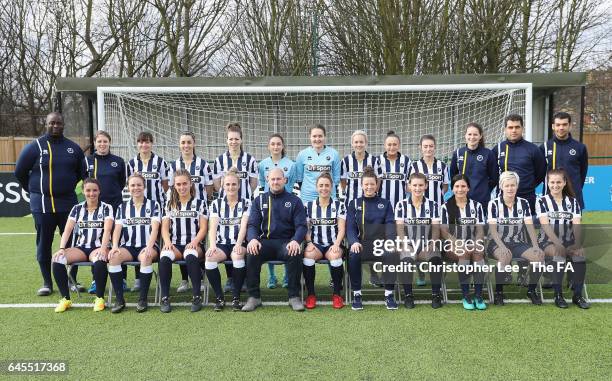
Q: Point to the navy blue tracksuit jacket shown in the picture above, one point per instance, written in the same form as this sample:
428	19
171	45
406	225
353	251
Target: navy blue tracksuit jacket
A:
571	155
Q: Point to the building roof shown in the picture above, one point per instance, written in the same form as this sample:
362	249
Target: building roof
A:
542	82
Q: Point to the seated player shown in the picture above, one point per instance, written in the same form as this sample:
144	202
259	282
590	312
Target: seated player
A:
94	220
183	229
463	221
327	226
418	219
560	217
509	217
369	218
135	239
226	233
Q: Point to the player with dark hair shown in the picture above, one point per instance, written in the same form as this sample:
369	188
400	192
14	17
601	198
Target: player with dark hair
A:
110	171
560	237
313	161
518	155
434	169
227	237
418	218
476	162
326	229
277	159
369	218
508	218
184	227
156	173
135	239
564	152
463	219
94	220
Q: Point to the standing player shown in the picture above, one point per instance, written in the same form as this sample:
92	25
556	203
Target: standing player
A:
351	168
49	168
369	218
135	239
227	233
418	218
564	152
394	170
313	161
463	219
94	220
246	165
518	155
201	176
277	159
155	171
326	229
109	170
508	217
476	162
435	170
560	216
183	230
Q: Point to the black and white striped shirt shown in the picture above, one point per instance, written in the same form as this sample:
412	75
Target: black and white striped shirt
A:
465	225
154	172
418	221
351	170
201	175
90	225
437	176
560	216
228	226
247	168
136	224
394	177
511	222
185	222
323	221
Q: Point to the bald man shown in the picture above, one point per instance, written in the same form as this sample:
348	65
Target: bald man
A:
277	226
49	168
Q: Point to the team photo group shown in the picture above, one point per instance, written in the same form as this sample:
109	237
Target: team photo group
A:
241	213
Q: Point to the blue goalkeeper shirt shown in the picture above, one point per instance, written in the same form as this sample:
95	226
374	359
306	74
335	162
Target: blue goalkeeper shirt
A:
308	167
267	164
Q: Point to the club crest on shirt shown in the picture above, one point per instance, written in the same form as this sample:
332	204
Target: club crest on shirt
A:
309	158
148	211
328	158
114	164
381	206
288	204
70	150
480	158
285	169
197	168
572	152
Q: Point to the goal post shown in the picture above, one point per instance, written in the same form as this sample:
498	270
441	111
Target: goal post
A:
410	110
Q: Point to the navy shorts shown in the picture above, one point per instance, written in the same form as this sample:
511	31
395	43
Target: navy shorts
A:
135	251
86	250
322	249
544	244
517	249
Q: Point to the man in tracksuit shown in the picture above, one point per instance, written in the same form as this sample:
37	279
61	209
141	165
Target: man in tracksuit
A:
564	152
277	226
49	168
523	157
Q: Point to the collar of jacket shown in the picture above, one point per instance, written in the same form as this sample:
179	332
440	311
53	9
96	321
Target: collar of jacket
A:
560	141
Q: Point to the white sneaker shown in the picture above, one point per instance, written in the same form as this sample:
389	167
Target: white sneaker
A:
136	285
183	287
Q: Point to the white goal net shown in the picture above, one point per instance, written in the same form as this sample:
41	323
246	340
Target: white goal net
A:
411	111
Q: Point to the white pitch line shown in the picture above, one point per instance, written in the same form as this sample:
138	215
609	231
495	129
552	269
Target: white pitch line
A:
325	303
17	233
